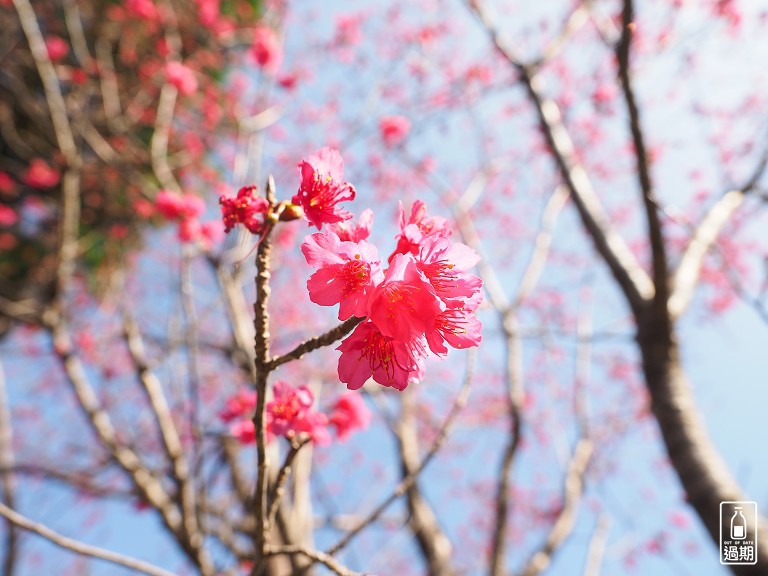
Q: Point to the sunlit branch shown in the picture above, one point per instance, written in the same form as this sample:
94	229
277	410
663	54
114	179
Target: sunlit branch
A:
51	87
79	547
633	280
573	484
686	275
597	544
168	430
314	555
573	489
160	136
434	545
578	17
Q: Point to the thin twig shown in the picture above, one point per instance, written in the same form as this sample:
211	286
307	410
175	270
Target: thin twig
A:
405	483
79	547
316	342
276	493
636	286
316	556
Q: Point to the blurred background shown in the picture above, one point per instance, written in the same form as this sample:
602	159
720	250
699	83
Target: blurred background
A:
576	145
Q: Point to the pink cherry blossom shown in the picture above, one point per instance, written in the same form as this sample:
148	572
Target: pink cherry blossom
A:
266	49
349	413
348	231
174	206
417	227
347	272
315	425
404	305
444	263
459	327
368	353
241	405
288	409
188	230
323	187
57	47
248	209
244	431
182	77
8	216
394	129
40	175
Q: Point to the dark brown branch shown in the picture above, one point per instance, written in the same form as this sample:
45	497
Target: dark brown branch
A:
655	231
632	279
316	342
261	363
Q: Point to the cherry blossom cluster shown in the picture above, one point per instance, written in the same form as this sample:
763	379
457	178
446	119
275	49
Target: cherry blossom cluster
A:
422	301
290	415
185	210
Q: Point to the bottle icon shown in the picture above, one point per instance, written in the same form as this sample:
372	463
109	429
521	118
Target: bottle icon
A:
738	525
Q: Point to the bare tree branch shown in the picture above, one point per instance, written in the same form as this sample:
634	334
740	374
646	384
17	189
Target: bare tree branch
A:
79	547
686	275
316	556
634	282
405	483
655	231
168	431
574	486
316	342
596	550
435	546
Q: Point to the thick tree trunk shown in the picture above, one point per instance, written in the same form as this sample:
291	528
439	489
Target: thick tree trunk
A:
702	472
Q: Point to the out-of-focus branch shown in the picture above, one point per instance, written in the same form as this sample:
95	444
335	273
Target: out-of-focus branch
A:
314	555
574	487
79	547
168	431
74	24
7	479
405	483
655	231
514	378
686	275
51	87
160	136
434	545
596	551
636	286
278	488
578	17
